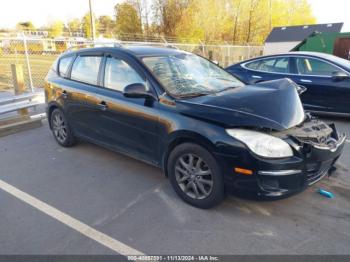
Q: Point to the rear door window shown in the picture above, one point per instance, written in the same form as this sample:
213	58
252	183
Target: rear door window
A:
281	65
85	69
273	65
64	64
311	66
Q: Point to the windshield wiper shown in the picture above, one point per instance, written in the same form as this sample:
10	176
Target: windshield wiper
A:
194	94
227	88
223	78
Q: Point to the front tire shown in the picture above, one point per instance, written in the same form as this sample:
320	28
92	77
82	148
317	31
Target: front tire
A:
60	129
196	176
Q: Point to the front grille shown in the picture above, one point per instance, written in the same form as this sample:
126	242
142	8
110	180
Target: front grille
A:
316	140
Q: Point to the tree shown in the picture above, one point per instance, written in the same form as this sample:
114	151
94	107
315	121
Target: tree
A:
139	6
236	16
127	20
235	21
143	8
56	28
74	26
205	21
25	26
86	26
106	25
253	6
168	13
208	21
291	12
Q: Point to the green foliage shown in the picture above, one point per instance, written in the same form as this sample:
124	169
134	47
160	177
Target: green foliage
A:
169	13
204	20
25	26
56	29
74	25
86	26
240	21
106	26
127	20
207	21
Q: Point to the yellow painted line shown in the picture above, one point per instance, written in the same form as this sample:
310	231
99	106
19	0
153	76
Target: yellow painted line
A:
69	221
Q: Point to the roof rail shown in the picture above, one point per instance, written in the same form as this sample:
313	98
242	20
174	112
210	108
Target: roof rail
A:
93	44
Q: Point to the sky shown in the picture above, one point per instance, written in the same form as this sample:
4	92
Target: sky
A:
41	12
332	11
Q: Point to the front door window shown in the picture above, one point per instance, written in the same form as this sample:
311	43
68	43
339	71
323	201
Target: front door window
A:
118	74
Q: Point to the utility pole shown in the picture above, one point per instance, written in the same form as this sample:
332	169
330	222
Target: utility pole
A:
270	6
92	22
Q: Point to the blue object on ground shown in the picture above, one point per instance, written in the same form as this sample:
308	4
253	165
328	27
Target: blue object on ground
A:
326	193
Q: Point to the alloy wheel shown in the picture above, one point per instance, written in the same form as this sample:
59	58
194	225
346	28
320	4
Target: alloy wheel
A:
59	127
194	176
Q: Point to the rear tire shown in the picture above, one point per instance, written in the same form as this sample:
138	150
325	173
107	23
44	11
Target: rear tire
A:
196	176
60	129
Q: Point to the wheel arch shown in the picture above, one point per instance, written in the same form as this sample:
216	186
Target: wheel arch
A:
50	108
180	137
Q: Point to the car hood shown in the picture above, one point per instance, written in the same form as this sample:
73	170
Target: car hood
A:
272	104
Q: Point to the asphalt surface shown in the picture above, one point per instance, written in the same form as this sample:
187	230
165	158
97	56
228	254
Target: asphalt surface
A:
134	203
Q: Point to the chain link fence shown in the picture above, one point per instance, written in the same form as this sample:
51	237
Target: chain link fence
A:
36	55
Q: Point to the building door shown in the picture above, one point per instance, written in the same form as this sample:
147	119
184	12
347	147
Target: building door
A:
342	48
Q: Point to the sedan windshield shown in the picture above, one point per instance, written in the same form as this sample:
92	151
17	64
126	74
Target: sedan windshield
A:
190	75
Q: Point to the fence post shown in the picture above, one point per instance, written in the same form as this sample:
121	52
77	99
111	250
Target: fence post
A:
229	55
203	48
18	83
248	50
28	64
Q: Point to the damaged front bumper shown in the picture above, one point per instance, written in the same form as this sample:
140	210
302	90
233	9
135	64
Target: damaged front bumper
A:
299	172
314	157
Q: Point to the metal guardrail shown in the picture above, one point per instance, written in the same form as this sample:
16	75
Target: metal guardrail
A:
18	102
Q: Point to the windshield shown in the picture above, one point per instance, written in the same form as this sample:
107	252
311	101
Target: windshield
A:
190	75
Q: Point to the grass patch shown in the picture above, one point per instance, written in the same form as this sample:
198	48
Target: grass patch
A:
40	65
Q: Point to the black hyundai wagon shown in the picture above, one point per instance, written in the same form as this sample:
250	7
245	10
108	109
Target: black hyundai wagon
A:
210	133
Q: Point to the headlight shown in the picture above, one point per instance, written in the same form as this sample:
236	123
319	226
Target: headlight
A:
262	144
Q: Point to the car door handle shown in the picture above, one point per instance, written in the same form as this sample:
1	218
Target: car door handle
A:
64	94
102	106
258	77
305	81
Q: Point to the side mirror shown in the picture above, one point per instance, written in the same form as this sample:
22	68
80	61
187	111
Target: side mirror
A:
137	90
339	76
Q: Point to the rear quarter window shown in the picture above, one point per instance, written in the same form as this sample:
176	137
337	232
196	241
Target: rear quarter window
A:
54	65
64	64
253	65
